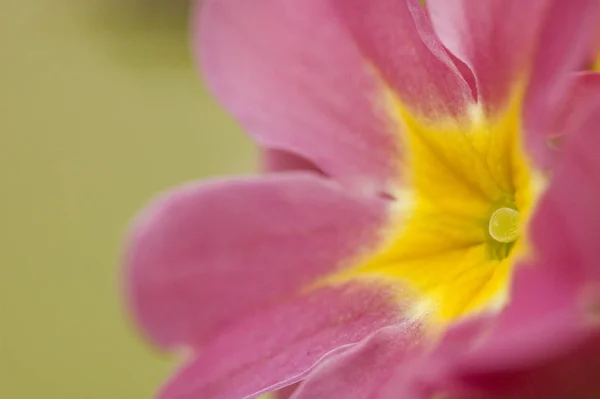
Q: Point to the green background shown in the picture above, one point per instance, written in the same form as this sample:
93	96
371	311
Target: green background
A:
100	110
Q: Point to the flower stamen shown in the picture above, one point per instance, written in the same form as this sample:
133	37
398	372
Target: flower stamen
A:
504	225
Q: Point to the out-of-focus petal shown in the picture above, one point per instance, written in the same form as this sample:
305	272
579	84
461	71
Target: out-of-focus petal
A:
530	363
562	46
507	42
365	370
277	346
284	161
285	393
205	255
573	374
566	225
517	338
542	346
312	77
566	116
228	268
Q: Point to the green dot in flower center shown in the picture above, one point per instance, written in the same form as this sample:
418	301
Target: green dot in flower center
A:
504	225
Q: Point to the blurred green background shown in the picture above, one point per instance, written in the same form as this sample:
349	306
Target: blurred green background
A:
100	110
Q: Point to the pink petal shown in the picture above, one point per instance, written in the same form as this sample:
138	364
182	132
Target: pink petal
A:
398	39
566	374
563	45
505	40
278	346
541	322
546	143
206	255
572	375
583	86
566	225
541	346
298	81
284	161
367	369
286	392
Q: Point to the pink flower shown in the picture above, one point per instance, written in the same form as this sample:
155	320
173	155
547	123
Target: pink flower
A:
429	225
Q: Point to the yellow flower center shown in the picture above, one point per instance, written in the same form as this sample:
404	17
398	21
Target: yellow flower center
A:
457	225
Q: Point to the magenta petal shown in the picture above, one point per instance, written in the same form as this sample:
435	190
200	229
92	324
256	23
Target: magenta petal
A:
533	349
562	369
583	87
306	77
565	229
398	39
205	255
541	322
285	393
366	370
563	45
501	39
571	375
547	132
290	73
277	346
284	161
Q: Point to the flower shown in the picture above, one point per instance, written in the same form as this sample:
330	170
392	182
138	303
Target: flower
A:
429	223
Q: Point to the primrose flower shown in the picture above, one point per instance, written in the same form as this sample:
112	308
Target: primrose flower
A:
428	225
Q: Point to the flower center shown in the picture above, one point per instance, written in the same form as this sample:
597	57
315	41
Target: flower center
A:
453	236
467	191
503	226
